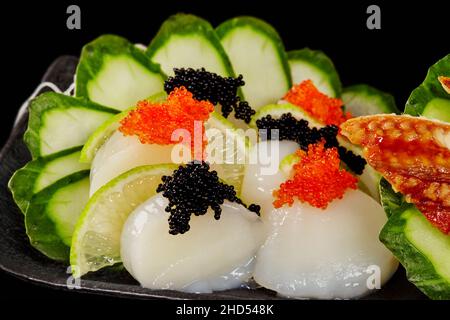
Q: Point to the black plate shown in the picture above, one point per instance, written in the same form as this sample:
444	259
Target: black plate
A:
18	258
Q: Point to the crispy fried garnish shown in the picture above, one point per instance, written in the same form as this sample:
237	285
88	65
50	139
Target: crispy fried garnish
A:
413	154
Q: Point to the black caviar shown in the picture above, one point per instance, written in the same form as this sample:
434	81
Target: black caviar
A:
192	189
299	131
210	86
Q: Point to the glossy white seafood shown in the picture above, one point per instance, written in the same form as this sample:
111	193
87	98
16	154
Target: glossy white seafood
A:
213	255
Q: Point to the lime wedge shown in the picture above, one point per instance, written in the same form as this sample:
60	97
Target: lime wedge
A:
369	180
228	157
231	153
287	163
99	136
226	152
96	239
277	110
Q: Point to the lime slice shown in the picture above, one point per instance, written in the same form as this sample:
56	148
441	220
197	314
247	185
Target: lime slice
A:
96	239
287	163
99	136
227	152
277	110
229	156
231	153
369	180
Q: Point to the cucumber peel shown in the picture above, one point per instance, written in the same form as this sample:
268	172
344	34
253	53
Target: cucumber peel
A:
430	99
53	212
42	172
187	41
390	200
362	100
316	66
421	248
257	52
58	122
115	73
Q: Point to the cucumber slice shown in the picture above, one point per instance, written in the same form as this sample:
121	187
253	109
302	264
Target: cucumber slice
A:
363	100
315	65
437	108
422	249
430	99
187	41
53	213
42	172
114	73
58	122
390	200
257	52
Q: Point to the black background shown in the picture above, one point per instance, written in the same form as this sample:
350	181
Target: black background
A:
414	35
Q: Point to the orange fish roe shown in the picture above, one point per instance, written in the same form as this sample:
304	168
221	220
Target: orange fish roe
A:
325	109
317	179
155	122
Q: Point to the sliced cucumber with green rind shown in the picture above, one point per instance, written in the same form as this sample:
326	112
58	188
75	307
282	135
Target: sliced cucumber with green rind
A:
363	100
187	41
430	99
257	52
422	249
114	73
390	200
53	213
437	108
317	66
58	122
42	172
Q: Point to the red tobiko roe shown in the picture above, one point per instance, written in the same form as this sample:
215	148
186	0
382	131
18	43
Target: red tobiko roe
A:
154	123
318	178
325	109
